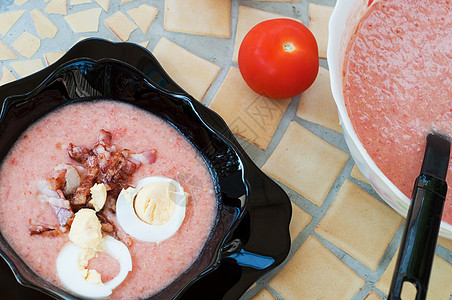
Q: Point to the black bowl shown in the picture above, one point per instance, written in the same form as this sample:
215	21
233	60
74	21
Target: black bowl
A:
250	235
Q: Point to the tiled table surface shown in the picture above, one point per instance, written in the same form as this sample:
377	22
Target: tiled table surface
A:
344	238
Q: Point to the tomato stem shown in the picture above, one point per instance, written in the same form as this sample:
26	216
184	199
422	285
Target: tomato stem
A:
288	47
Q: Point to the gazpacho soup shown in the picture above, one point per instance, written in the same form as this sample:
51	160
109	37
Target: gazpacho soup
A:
104	199
398	85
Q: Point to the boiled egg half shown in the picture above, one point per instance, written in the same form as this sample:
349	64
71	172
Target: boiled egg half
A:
86	241
154	210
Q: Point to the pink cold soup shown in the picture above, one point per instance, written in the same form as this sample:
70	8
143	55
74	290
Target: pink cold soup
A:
44	145
398	85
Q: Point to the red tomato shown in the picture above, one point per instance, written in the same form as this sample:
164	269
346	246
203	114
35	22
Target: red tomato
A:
279	58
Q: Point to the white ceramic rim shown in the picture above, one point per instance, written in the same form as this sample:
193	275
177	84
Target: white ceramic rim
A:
336	30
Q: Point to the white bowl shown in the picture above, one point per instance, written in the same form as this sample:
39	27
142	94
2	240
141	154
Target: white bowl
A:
346	16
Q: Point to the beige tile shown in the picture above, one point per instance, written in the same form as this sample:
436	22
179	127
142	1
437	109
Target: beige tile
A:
44	27
27	44
319	16
249	115
143	16
440	285
356	173
181	64
20	2
125	1
27	67
52	57
300	219
84	21
203	17
6	52
9	19
248	18
305	163
144	44
264	294
6	76
445	243
57	7
120	25
105	4
316	273
317	104
78	2
252	286
372	296
359	224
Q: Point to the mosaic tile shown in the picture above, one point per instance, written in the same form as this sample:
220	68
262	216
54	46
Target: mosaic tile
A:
143	16
305	163
315	273
77	2
57	7
27	44
120	25
317	104
203	17
6	76
6	52
181	64
105	4
264	294
248	18
52	57
300	219
27	67
8	20
359	224
440	286
319	16
84	21
356	173
45	28
372	296
445	243
249	115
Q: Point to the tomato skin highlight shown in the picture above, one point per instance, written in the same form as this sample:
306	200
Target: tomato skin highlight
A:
279	58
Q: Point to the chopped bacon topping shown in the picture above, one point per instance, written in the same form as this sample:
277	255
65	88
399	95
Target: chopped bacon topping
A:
67	193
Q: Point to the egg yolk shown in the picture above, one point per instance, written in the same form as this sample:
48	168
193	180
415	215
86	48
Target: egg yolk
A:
155	202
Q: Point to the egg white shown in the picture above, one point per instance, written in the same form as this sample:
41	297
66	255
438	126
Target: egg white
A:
141	230
68	269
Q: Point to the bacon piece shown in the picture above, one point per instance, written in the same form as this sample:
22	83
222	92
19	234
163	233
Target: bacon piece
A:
77	153
146	157
43	229
59	182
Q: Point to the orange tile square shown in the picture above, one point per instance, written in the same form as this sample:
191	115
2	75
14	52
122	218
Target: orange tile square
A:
182	64
264	294
300	219
203	17
359	224
372	296
315	273
356	173
319	15
445	243
305	163
317	104
249	115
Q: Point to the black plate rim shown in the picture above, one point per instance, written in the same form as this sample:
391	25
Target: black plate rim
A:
44	77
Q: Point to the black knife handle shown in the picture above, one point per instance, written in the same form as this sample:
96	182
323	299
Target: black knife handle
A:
418	245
